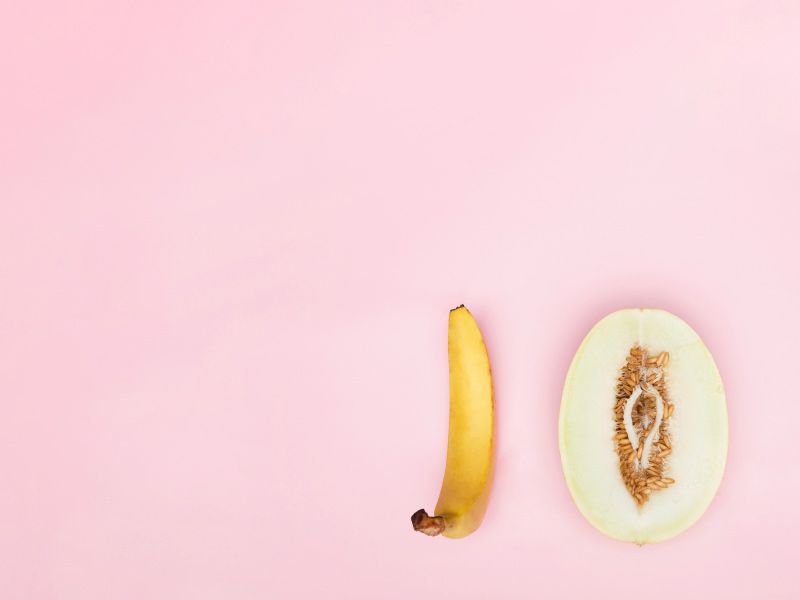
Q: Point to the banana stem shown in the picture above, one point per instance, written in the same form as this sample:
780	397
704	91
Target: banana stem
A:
426	524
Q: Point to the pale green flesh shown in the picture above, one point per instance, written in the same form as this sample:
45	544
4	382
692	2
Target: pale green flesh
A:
698	427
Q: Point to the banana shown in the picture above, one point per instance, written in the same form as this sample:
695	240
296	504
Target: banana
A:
470	443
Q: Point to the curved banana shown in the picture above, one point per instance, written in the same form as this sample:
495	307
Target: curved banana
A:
470	443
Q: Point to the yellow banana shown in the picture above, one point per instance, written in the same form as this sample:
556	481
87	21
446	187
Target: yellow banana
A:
470	443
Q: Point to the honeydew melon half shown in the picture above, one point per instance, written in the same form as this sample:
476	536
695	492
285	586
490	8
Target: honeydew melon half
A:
643	427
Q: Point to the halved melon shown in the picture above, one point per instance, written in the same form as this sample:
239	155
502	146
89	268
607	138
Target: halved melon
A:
643	428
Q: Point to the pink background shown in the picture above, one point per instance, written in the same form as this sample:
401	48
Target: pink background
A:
230	236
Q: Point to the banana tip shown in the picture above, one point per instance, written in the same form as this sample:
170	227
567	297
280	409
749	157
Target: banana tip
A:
427	524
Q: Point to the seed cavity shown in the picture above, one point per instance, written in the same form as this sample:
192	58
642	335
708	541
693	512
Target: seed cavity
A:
641	414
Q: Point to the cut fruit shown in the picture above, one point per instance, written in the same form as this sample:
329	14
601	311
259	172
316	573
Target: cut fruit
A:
643	428
468	472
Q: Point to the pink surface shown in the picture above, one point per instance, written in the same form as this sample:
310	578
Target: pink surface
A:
230	236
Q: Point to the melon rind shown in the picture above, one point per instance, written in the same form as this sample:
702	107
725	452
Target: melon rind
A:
698	427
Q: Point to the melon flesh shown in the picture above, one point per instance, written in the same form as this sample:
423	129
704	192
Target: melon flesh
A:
698	427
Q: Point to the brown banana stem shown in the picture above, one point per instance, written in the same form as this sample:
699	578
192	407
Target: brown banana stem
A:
426	524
